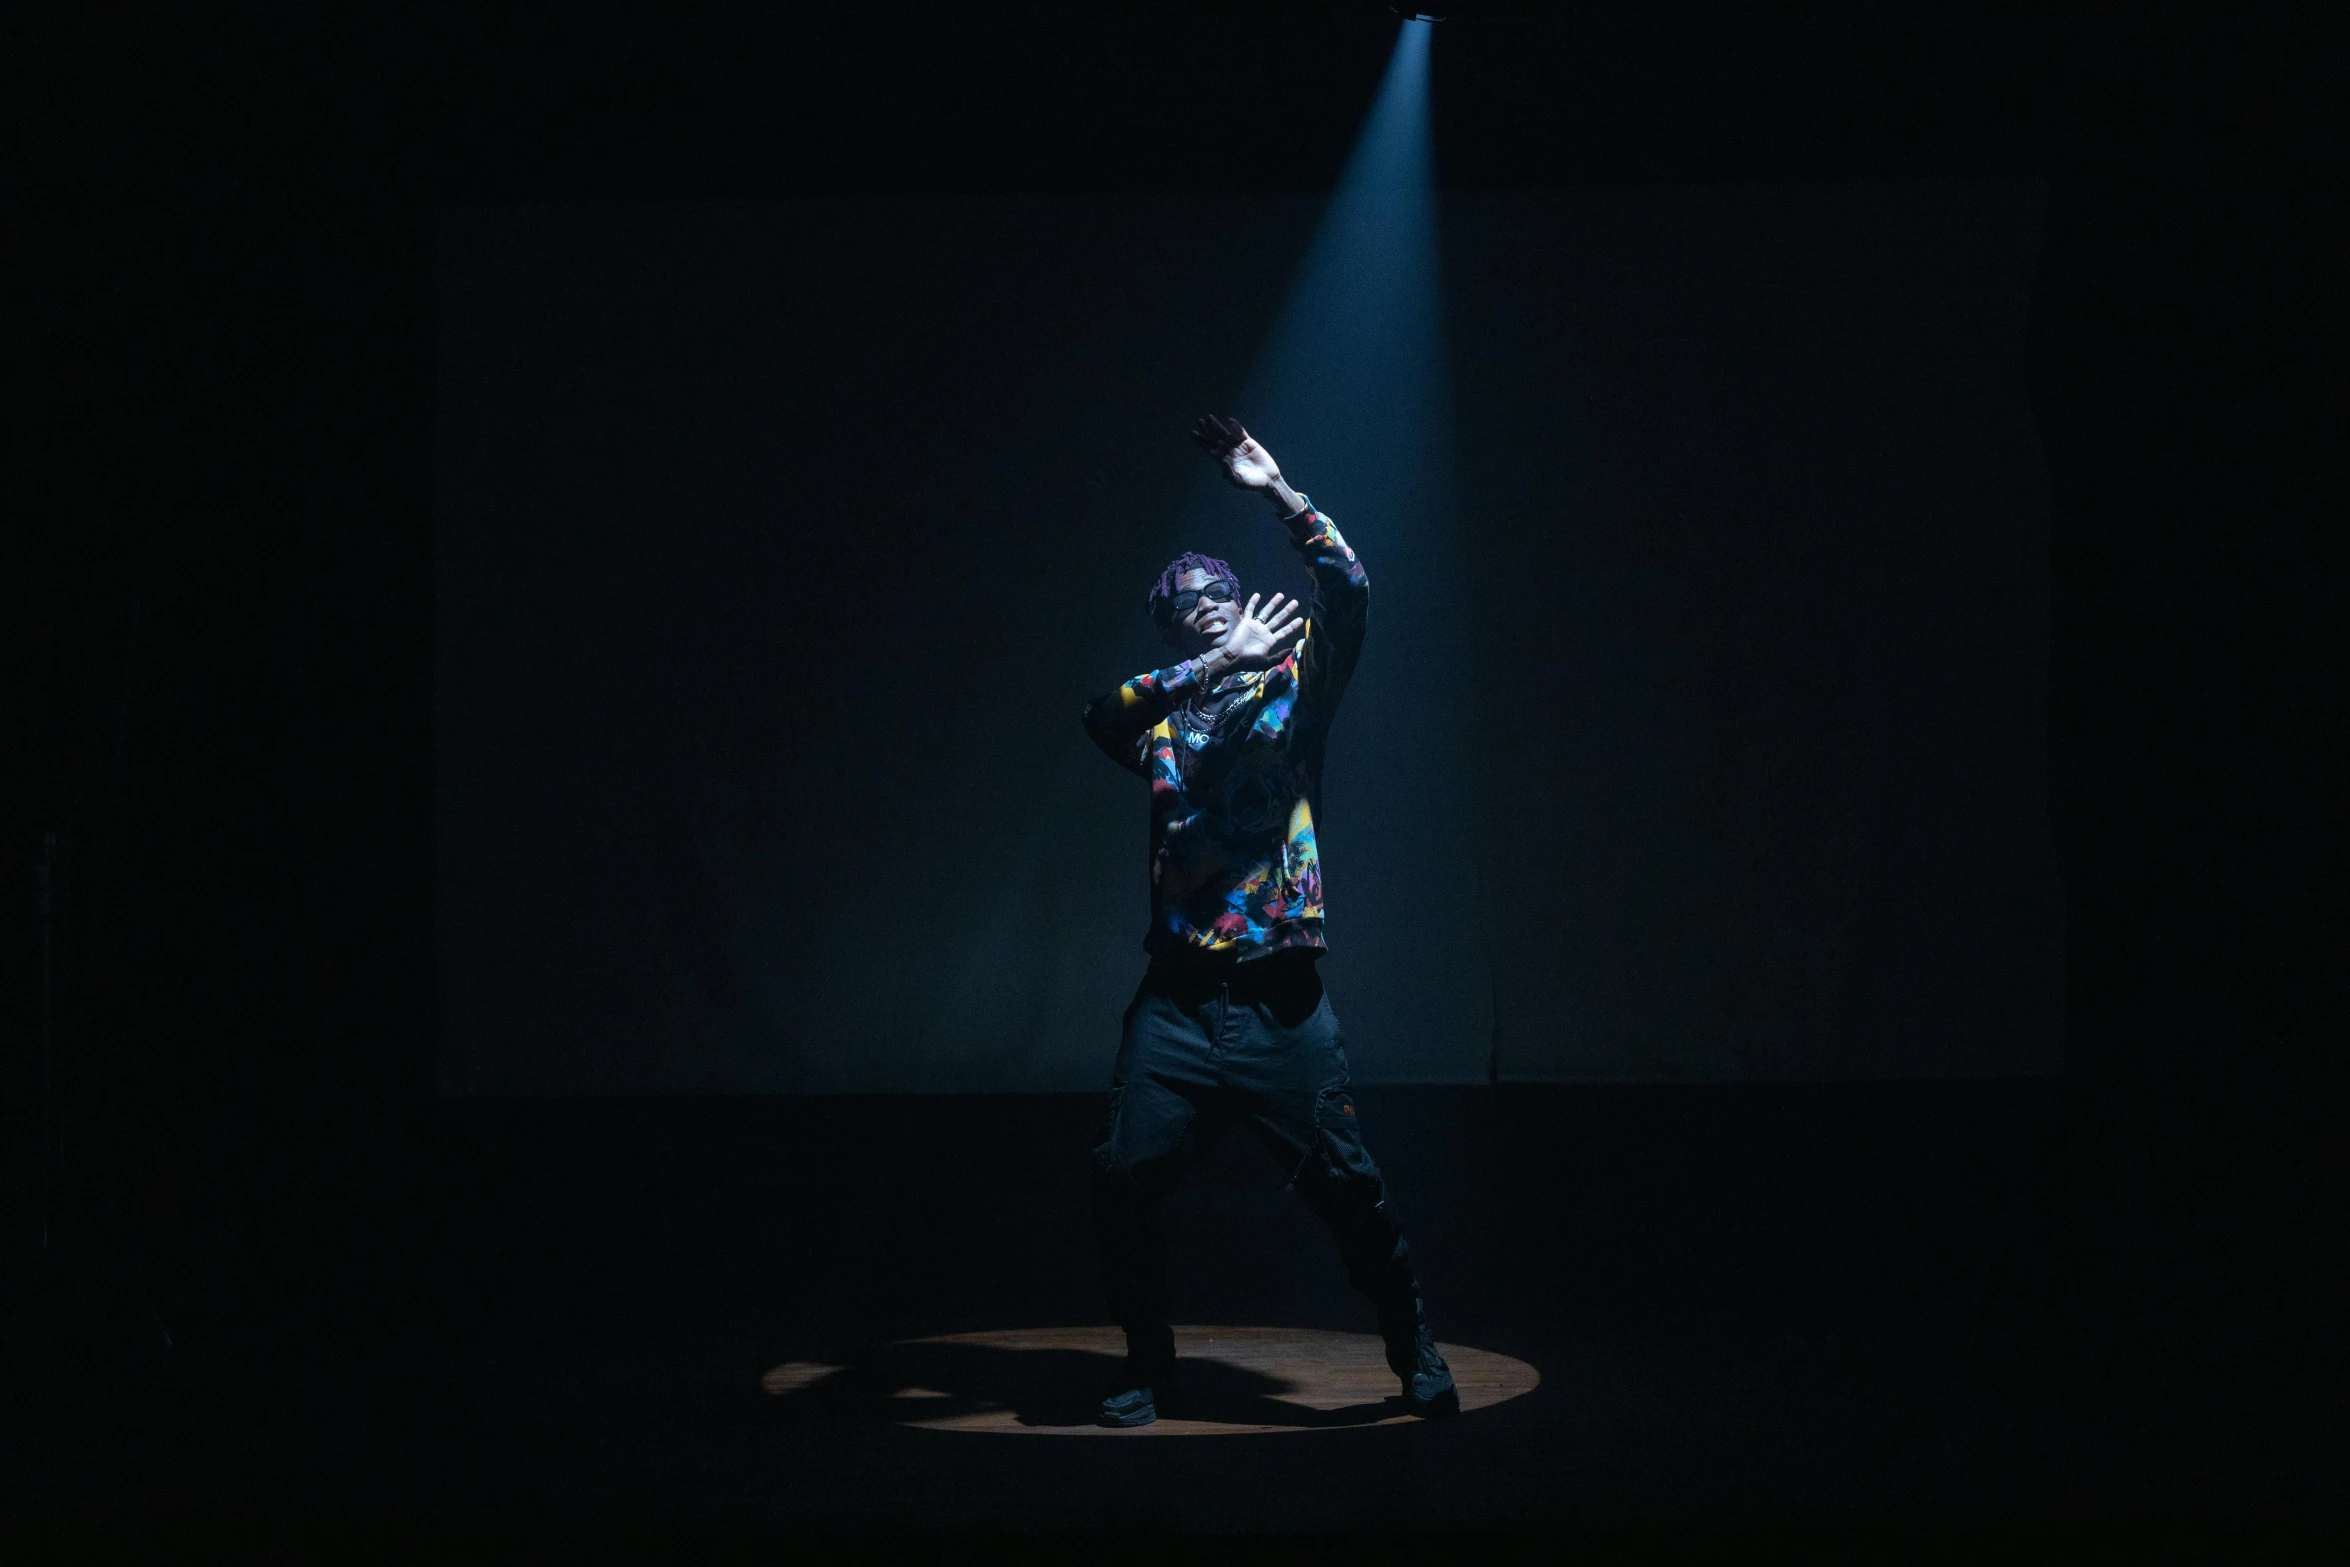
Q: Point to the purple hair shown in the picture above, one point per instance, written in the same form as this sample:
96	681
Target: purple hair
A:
1161	602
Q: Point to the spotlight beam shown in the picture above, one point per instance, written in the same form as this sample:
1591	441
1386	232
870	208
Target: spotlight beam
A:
1351	392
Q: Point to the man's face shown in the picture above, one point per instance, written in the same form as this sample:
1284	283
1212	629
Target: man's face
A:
1211	617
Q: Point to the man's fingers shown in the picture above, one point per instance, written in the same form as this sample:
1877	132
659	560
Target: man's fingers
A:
1250	613
1218	435
1226	438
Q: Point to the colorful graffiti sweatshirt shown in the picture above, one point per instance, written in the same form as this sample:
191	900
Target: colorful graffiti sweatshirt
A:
1234	868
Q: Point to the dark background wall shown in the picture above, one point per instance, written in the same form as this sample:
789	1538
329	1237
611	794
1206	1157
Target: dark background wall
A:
776	543
219	662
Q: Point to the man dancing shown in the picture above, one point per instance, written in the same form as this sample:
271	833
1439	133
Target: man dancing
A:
1230	1023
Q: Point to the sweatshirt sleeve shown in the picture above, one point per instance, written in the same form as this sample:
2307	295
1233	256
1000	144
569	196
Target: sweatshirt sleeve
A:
1120	721
1342	601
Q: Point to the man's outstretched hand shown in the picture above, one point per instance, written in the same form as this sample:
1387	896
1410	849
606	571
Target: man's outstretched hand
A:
1261	638
1245	461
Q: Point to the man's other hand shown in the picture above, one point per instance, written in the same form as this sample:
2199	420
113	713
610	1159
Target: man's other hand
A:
1262	637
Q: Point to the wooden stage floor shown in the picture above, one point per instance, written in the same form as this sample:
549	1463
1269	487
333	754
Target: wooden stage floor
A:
1043	1381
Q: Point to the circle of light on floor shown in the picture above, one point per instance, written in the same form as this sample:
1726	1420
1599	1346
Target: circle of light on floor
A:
1046	1382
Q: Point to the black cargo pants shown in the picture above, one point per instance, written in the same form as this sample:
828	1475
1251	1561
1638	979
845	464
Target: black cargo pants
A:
1207	1044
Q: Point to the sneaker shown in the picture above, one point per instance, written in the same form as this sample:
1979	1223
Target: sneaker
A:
1142	1388
1428	1391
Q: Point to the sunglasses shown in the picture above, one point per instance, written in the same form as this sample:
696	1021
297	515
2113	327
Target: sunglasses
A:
1217	592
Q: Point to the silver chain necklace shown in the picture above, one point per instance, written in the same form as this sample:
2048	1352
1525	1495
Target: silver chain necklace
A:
1200	714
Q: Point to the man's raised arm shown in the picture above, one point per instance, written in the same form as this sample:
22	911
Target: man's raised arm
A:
1342	590
1341	609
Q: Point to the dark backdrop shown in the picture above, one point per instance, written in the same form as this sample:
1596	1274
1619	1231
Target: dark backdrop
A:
778	545
218	665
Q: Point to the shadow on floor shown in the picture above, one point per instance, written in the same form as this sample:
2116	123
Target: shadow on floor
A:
1037	1387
